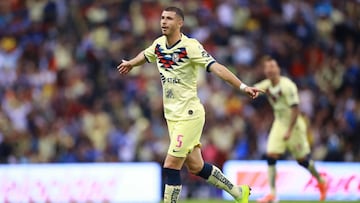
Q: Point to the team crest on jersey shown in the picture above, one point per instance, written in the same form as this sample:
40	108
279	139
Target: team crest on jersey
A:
175	57
273	96
169	60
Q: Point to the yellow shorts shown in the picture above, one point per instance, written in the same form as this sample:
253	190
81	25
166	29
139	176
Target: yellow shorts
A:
297	144
184	136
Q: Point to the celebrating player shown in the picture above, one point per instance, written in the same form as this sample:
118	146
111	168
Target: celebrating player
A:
288	130
178	59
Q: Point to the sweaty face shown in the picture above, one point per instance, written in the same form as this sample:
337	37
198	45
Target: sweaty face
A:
271	69
170	22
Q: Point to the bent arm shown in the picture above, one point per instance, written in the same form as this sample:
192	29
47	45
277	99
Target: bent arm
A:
126	66
295	111
138	60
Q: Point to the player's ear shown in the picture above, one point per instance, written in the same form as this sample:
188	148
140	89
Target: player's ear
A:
180	22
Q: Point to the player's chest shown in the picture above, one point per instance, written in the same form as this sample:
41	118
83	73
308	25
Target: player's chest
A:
275	94
170	59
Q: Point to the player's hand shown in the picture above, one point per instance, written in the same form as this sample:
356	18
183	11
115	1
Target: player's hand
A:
125	67
253	92
287	135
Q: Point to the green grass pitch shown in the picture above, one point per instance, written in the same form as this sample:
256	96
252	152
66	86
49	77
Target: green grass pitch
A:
223	201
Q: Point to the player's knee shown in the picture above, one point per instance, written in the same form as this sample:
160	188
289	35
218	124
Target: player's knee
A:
271	160
304	162
194	169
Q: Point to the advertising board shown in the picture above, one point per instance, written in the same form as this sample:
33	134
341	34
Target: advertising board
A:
294	182
115	182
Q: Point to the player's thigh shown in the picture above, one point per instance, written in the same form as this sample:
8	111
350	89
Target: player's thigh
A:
184	136
298	144
276	143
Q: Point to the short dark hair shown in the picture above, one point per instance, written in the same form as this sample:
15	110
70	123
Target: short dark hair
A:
266	58
177	10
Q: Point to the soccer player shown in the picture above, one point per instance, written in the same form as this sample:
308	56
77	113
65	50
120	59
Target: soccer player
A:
288	131
178	59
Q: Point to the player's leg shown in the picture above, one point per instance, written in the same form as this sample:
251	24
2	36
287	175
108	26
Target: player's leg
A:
275	148
271	159
184	136
173	163
172	167
309	165
299	148
213	175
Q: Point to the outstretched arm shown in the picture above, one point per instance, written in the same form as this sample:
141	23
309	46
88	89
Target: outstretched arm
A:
126	66
222	72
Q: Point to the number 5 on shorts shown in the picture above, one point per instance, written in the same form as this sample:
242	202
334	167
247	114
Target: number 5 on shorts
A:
179	140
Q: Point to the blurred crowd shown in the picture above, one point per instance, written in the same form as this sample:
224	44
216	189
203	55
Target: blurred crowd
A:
62	99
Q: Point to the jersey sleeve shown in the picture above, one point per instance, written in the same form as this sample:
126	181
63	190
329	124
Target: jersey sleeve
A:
291	94
198	55
149	53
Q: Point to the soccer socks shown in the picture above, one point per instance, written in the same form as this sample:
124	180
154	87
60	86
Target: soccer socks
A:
172	193
172	185
211	173
311	168
214	176
272	178
272	174
205	171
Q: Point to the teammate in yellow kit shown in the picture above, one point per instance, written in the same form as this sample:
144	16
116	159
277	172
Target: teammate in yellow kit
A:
288	131
178	59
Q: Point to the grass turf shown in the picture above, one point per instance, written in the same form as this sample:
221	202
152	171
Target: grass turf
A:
222	201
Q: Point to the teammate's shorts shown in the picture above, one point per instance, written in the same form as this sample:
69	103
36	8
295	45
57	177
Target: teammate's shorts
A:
297	144
184	136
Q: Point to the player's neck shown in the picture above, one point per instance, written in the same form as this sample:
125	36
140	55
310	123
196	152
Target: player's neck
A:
275	81
172	39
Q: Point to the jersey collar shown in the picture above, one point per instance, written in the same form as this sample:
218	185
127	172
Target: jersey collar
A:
169	47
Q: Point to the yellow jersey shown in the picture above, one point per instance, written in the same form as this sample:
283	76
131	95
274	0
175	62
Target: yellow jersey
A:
281	97
178	66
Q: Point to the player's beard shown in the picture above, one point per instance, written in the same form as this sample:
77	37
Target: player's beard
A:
169	31
166	32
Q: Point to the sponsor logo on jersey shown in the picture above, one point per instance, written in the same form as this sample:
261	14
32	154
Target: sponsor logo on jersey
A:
169	80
